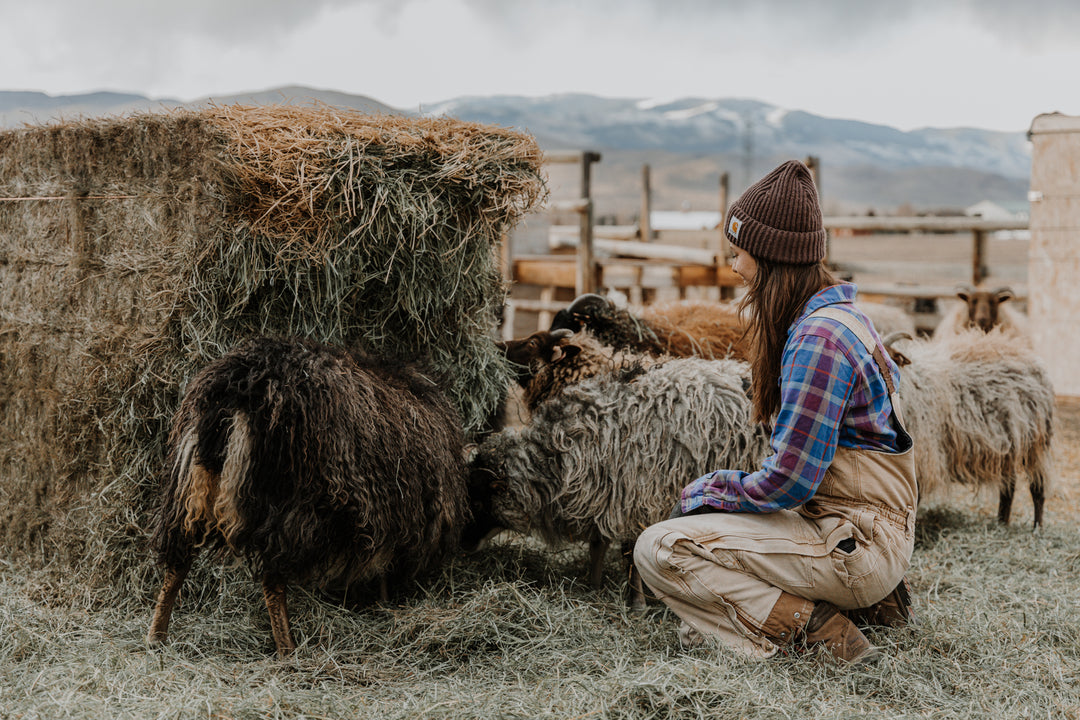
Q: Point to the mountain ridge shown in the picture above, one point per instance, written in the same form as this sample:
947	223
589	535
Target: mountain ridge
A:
688	141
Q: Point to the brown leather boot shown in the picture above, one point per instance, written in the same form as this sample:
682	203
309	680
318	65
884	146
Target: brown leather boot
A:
796	621
831	628
894	610
787	619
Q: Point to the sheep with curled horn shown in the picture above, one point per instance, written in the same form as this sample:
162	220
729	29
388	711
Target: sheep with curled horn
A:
611	441
548	361
980	408
317	465
983	309
681	328
686	328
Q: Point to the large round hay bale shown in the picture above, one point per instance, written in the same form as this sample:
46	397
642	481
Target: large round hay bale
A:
134	250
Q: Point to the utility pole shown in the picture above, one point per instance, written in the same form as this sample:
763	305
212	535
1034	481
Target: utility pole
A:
748	151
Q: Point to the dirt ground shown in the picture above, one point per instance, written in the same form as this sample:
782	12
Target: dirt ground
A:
1064	501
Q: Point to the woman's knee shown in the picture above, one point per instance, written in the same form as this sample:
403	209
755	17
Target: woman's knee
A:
646	546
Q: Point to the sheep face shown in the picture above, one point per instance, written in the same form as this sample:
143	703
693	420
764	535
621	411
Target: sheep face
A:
542	348
983	305
495	505
484	483
608	323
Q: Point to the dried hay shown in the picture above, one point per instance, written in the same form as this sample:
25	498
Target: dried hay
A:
134	250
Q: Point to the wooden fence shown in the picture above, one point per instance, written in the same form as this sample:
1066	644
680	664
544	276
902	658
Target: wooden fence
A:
584	257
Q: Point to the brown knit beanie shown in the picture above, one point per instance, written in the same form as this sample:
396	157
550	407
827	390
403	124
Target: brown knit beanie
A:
778	217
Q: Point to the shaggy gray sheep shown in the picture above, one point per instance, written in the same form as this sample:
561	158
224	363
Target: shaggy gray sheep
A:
980	408
608	456
314	464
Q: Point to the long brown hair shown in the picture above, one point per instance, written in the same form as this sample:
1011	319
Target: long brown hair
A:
774	299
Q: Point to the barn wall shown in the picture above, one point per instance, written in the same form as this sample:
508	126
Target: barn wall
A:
1054	255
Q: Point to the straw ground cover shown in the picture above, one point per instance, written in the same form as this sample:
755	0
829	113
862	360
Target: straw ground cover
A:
134	250
515	632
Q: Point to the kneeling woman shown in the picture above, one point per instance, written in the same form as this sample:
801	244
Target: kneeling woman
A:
820	536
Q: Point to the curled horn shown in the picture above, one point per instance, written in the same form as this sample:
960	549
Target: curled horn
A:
898	357
587	299
892	337
561	333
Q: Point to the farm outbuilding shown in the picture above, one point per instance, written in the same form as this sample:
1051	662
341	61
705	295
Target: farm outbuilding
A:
134	250
1054	255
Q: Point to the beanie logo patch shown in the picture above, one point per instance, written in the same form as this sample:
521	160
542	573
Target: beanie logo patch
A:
733	227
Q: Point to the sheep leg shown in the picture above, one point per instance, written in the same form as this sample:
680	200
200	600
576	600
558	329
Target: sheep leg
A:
1005	501
597	552
274	594
637	589
166	600
384	590
1038	495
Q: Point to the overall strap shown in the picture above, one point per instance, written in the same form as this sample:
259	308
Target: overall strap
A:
852	323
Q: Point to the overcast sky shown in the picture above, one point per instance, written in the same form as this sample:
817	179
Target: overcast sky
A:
992	64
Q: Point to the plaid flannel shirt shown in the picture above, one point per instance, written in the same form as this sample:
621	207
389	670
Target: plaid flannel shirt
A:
831	393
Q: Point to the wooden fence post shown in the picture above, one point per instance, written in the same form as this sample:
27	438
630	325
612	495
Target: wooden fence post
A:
720	244
645	222
586	264
978	257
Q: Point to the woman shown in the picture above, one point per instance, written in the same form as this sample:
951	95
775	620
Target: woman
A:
787	555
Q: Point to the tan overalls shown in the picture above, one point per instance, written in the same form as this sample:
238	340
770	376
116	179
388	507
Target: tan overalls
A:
722	573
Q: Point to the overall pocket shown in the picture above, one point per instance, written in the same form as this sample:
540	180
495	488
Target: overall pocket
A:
871	569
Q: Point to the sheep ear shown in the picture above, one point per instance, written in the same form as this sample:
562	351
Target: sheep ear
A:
899	358
564	352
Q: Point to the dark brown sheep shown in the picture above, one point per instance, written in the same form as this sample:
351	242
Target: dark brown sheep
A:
680	328
316	465
548	361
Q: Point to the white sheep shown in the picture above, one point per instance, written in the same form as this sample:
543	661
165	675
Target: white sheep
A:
980	408
983	309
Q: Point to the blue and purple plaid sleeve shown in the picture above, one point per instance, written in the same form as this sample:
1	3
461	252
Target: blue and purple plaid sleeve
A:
816	380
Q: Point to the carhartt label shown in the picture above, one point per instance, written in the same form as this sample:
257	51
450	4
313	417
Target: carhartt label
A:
733	227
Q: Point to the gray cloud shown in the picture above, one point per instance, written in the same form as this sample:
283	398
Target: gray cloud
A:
1030	24
219	19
